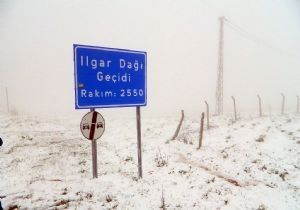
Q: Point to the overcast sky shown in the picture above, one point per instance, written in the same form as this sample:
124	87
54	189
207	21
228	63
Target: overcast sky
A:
261	53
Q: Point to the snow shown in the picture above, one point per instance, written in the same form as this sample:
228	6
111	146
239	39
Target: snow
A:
249	164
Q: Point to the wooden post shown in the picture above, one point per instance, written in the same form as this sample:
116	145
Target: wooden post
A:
283	103
207	114
7	103
298	99
259	104
234	106
179	126
201	130
139	142
94	155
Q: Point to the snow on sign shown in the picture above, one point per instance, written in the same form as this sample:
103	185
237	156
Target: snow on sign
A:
106	77
92	125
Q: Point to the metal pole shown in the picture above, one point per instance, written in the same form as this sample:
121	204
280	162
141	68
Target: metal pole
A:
7	103
219	91
283	103
207	114
94	155
139	144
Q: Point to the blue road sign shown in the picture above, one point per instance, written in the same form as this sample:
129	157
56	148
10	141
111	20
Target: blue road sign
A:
106	77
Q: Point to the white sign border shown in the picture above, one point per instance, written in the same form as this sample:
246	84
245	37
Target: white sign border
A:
76	46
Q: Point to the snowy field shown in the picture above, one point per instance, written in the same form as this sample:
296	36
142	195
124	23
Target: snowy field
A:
250	164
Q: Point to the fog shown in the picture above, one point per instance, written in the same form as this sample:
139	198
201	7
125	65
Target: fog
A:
261	54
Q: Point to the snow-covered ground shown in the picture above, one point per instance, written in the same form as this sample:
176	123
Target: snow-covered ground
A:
250	164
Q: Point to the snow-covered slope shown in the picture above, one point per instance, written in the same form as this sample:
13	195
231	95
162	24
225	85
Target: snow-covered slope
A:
250	164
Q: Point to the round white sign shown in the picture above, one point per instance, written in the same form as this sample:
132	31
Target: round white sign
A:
92	125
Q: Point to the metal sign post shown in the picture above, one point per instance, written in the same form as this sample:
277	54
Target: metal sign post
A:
94	146
94	159
139	143
92	127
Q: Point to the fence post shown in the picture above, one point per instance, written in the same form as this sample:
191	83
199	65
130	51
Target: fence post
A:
259	104
201	130
179	126
207	114
234	106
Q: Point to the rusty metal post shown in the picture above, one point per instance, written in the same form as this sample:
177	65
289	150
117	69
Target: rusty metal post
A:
201	130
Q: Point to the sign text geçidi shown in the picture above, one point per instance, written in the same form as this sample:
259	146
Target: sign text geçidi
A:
107	77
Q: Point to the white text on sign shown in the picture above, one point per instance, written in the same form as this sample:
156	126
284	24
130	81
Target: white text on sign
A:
85	61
